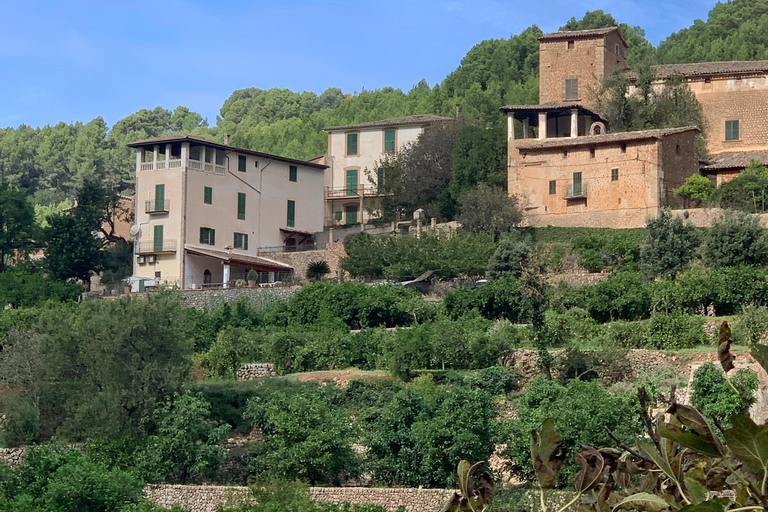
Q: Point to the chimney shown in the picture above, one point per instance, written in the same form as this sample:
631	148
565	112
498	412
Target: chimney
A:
226	140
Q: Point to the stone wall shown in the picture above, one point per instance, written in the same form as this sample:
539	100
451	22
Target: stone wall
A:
212	298
333	254
207	498
255	371
578	279
703	217
12	456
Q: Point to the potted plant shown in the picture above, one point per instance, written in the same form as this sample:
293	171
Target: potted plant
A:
239	283
253	277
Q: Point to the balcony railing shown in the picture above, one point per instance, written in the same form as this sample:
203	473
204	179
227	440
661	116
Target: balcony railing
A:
288	248
157	206
175	164
364	191
576	191
161	164
165	245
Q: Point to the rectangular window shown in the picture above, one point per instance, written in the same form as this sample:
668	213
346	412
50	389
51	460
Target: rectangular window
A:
577	184
241	163
591	152
291	218
351	214
351	182
241	241
731	130
552	187
207	195
571	44
615	174
380	180
293	173
571	88
160	198
157	242
352	143
208	236
389	141
241	205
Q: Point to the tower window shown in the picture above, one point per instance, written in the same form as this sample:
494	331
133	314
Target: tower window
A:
571	88
591	152
552	187
732	130
615	174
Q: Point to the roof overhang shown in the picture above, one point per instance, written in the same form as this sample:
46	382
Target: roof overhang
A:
243	260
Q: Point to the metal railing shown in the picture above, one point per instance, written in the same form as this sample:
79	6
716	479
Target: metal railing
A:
287	248
155	246
157	206
576	191
351	192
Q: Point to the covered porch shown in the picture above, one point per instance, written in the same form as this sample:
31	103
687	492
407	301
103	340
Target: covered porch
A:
209	268
552	120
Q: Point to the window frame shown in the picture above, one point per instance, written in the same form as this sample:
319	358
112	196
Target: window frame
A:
575	84
207	236
357	143
290	214
732	122
241	206
242	163
384	140
552	187
243	239
615	174
207	195
293	173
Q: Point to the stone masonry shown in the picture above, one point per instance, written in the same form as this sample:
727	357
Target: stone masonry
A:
255	371
333	254
207	498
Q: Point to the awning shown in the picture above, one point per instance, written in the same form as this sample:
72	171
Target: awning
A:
296	232
255	262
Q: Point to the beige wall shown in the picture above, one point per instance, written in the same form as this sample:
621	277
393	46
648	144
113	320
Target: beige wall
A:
644	174
590	60
267	189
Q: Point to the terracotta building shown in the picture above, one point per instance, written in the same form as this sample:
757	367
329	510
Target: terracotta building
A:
571	170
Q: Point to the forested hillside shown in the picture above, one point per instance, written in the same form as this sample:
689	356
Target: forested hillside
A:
52	162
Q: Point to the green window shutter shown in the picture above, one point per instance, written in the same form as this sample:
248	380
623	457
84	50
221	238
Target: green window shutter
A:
202	235
552	187
208	195
380	179
389	141
158	239
241	163
291	221
245	242
351	182
213	237
160	198
241	206
731	130
577	183
236	241
351	143
351	213
293	173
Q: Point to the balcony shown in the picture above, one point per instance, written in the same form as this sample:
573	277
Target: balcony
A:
163	246
157	206
576	191
343	192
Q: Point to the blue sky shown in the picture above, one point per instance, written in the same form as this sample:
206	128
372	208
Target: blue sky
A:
75	60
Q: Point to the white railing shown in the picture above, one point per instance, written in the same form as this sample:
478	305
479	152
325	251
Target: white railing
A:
161	165
194	164
174	164
220	170
147	166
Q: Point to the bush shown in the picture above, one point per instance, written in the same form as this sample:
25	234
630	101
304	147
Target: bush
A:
716	398
234	346
739	286
609	366
612	250
675	331
736	238
751	326
747	192
498	299
511	256
574	327
583	411
696	188
622	296
496	380
22	289
671	245
627	334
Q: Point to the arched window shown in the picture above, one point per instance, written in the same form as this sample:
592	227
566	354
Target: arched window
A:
207	278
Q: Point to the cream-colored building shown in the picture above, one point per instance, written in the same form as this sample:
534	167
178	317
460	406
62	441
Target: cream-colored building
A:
205	212
354	153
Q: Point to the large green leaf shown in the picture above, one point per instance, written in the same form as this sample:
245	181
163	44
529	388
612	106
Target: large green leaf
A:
659	458
724	347
696	490
642	501
689	428
749	442
543	446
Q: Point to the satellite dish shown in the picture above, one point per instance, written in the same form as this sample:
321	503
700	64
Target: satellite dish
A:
135	231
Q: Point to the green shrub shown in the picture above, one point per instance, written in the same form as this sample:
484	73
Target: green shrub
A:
609	366
751	326
712	394
696	188
497	380
739	286
625	334
675	331
234	346
736	238
671	245
574	327
511	255
367	348
583	411
22	289
622	296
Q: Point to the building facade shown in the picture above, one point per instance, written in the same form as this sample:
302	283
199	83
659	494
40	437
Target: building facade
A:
207	213
354	152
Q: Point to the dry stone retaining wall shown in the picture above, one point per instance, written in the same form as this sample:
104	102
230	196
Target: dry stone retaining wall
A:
207	497
255	371
212	298
12	456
